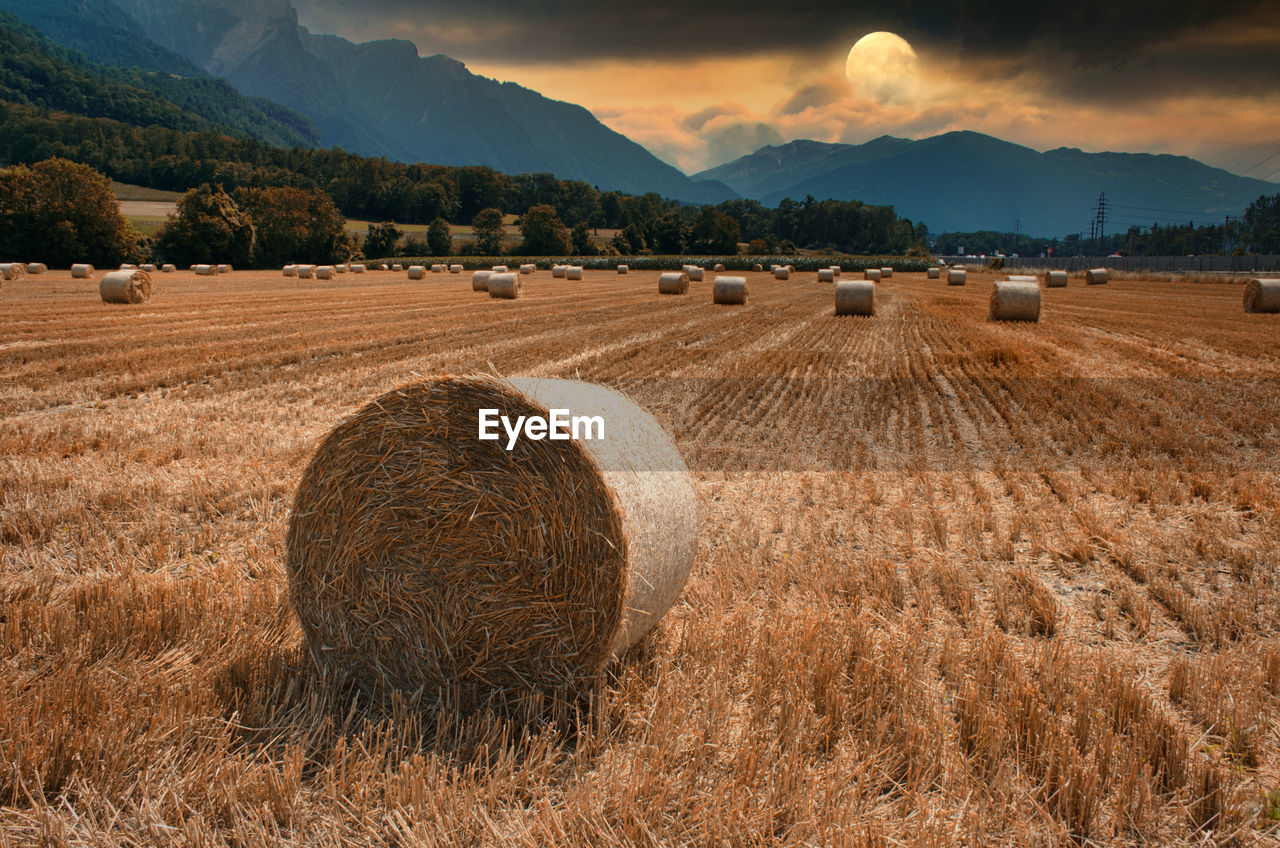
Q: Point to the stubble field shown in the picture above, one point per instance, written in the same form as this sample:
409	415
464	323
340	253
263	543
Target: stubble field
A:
957	582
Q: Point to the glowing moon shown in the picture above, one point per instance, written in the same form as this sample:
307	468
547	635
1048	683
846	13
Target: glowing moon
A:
882	66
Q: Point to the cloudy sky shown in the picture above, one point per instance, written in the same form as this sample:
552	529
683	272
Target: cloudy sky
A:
700	84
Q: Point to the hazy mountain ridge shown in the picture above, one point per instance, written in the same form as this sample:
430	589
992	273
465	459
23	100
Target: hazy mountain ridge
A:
967	181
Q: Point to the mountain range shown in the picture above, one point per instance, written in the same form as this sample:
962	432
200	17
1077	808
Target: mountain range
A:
966	181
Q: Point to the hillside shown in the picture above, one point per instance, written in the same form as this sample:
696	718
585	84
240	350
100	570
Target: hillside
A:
966	181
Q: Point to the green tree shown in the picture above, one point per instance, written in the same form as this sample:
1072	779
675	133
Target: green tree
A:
544	233
581	238
381	240
487	226
59	212
292	225
439	239
208	227
1261	224
714	232
670	235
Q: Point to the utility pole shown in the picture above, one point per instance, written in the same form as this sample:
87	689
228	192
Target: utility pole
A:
1100	221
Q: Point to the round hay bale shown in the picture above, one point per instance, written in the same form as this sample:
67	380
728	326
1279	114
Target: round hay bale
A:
719	268
935	273
694	272
480	280
1023	278
1095	276
504	286
886	272
624	269
855	297
956	277
573	272
791	268
306	272
757	267
149	268
342	269
325	272
872	274
290	271
835	269
781	273
826	275
125	266
206	270
1262	296
192	269
417	272
81	271
397	267
225	269
673	282
437	268
357	269
559	272
168	268
529	268
12	271
419	555
1015	300
1055	279
129	286
730	291
455	269
37	268
500	269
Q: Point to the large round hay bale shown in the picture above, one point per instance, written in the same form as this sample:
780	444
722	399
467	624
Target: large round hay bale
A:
528	268
1095	276
480	280
12	271
168	268
417	272
855	297
437	268
37	268
192	269
126	266
1015	300
206	270
130	286
1023	278
325	272
340	269
624	269
500	269
935	273
357	269
420	555
673	282
289	271
886	272
956	277
757	267
1262	295
1055	279
225	269
573	272
826	275
455	269
782	273
306	272
396	266
148	267
730	291
872	274
694	272
835	269
504	286
559	272
81	271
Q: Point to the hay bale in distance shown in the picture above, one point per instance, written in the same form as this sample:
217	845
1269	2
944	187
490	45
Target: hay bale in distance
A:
1015	300
148	267
396	266
289	271
129	286
782	273
935	273
504	286
856	297
306	272
455	269
835	269
206	270
125	266
525	568
886	272
559	272
719	268
12	271
340	269
37	268
500	269
730	291
695	273
225	269
872	274
1262	296
1095	276
757	267
1023	278
573	272
168	268
480	280
325	272
826	275
437	268
417	272
1055	279
956	276
357	269
81	271
624	269
528	268
673	282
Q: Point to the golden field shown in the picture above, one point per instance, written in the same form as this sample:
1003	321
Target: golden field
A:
958	583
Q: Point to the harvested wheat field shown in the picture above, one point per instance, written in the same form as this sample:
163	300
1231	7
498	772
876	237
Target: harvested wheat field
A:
957	582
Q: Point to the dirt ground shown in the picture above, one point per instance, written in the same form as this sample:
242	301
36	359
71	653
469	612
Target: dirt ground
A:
958	582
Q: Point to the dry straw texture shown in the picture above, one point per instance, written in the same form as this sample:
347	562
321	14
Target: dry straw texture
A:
1023	278
1262	295
782	273
528	568
826	275
168	268
125	266
340	269
290	271
357	269
397	267
872	274
836	269
225	269
573	272
81	271
730	291
125	287
497	269
437	268
935	273
306	272
455	269
1055	279
1015	300
480	280
206	270
624	269
37	268
886	273
1095	276
417	272
855	297
325	272
956	277
148	267
694	272
673	282
504	286
528	268
11	271
559	272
